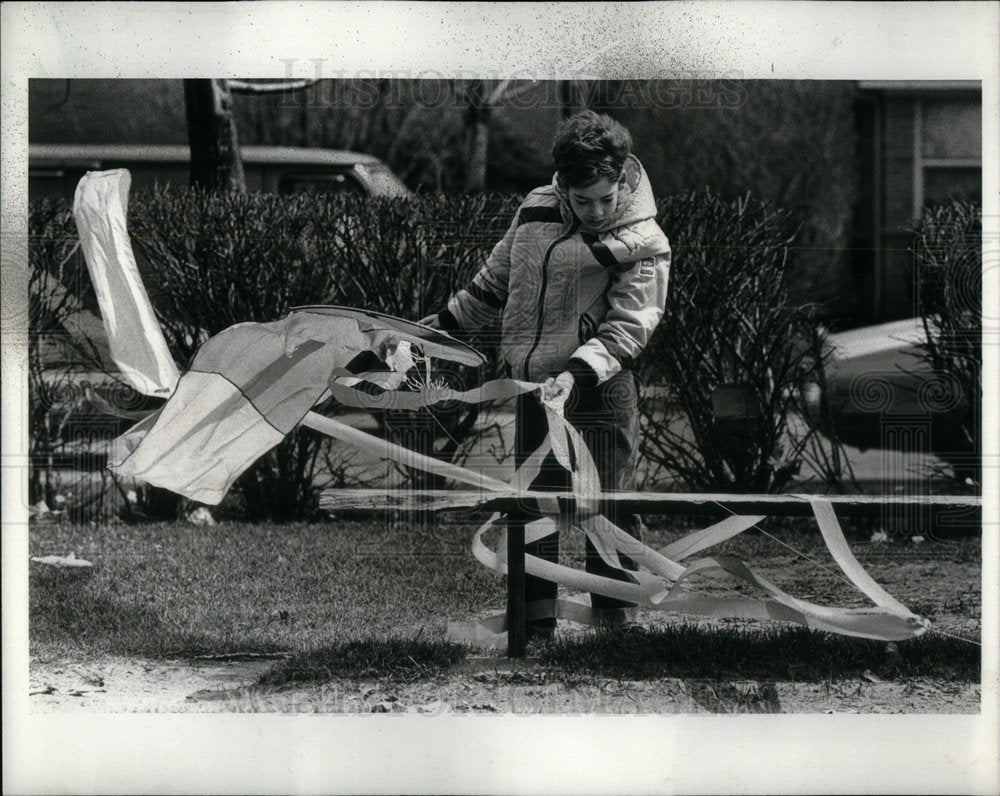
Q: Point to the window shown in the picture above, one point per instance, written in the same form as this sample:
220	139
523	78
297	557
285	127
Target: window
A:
322	184
921	145
947	151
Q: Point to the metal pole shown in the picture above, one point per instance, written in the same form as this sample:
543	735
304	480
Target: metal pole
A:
516	630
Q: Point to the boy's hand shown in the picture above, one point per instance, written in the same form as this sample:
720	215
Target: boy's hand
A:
558	388
431	320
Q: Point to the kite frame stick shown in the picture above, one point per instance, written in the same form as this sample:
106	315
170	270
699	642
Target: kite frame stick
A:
787	505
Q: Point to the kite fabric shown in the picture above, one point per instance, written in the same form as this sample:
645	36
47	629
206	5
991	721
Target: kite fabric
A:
100	207
247	388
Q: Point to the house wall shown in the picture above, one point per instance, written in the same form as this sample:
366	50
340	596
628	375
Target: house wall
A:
928	150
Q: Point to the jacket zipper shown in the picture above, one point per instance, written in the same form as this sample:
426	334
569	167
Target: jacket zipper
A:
541	296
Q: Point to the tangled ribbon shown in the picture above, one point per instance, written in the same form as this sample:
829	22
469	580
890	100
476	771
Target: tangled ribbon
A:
662	580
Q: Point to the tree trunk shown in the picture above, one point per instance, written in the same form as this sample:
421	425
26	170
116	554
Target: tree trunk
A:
478	149
215	149
477	118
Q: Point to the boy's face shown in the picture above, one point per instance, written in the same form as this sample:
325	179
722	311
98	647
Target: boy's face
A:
595	204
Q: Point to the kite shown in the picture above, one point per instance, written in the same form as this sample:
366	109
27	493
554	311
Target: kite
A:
252	384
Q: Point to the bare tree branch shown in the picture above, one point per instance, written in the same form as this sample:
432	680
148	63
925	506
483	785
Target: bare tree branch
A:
505	92
63	101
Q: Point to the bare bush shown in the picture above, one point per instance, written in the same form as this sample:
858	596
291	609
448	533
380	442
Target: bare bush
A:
64	356
729	360
406	259
213	260
948	252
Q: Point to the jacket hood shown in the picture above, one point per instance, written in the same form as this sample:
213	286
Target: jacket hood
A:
635	199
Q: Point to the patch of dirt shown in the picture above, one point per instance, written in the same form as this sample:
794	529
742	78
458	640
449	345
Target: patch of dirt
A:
125	685
483	685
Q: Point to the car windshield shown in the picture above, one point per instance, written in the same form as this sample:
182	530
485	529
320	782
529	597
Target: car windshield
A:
319	184
381	179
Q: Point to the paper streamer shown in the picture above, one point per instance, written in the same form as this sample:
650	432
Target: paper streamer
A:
662	581
655	593
100	207
398	453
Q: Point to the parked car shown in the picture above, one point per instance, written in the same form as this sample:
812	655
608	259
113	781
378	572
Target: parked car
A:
881	390
55	169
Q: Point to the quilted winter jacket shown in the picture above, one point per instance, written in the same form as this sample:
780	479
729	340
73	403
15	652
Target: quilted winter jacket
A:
566	293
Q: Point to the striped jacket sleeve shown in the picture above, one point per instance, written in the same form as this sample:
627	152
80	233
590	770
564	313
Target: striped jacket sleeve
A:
481	301
637	297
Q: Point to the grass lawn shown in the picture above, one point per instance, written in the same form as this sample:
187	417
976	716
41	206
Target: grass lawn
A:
372	599
176	589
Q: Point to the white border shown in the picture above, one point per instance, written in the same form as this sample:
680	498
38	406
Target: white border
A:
256	754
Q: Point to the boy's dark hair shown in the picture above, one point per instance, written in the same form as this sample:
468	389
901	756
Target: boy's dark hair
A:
589	146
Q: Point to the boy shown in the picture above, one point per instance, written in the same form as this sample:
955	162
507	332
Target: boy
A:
580	279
